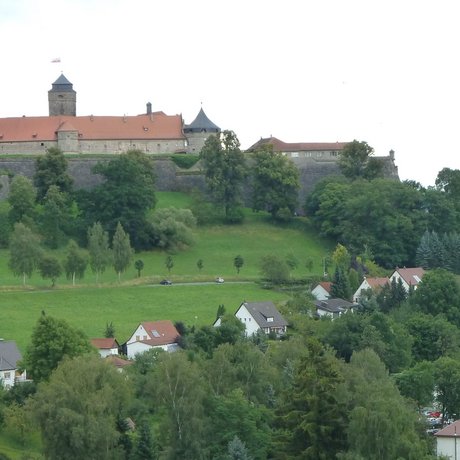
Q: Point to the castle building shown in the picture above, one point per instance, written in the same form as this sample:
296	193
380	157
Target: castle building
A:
323	151
151	132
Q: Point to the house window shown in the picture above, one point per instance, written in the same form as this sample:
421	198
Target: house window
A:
7	375
145	337
249	319
270	319
138	338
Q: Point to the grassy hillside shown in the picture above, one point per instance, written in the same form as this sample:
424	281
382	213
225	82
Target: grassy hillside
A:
89	306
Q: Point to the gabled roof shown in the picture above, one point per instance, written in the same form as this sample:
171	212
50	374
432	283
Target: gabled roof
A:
144	127
9	355
412	276
451	430
280	146
118	362
261	311
104	344
326	285
377	282
201	123
334	305
160	332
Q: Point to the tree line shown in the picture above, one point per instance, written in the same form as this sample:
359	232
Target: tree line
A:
361	209
223	396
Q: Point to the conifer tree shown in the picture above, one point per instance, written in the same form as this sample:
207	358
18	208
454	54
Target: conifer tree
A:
340	287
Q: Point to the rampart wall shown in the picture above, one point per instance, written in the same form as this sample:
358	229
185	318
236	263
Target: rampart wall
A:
169	177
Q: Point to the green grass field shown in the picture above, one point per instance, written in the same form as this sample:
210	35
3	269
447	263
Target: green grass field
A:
89	306
89	309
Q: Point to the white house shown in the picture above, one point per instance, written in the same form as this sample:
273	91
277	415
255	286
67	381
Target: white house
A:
152	334
9	357
447	442
260	316
106	347
322	290
373	284
410	277
333	307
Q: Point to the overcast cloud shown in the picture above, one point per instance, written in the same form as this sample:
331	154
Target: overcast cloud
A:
384	72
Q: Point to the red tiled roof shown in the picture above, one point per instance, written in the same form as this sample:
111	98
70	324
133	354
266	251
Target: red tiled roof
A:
118	362
451	430
104	344
412	276
326	285
377	282
280	146
155	126
160	332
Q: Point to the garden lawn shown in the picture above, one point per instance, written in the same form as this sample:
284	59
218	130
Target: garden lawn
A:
90	309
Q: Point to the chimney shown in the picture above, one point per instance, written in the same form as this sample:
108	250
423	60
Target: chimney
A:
149	108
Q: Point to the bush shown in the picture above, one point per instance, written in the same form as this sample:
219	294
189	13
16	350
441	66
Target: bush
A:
184	160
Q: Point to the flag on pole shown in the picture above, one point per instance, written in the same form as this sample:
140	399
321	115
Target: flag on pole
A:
56	60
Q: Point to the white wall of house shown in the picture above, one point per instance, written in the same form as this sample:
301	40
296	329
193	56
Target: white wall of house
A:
139	334
246	318
104	352
363	287
7	378
320	293
447	445
397	277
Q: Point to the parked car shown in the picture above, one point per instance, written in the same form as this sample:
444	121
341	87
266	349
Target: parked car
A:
219	280
165	282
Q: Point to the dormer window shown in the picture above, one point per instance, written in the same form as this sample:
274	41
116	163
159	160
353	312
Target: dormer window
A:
269	319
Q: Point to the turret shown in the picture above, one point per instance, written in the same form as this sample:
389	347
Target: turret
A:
62	98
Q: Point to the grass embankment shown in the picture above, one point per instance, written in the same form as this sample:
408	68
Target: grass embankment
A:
90	305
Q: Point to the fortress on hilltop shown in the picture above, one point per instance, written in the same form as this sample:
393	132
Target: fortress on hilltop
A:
152	132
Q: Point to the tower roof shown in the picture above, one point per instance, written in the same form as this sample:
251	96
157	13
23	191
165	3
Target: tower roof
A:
62	84
201	123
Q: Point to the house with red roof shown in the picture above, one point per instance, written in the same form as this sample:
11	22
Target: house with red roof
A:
322	290
106	346
324	151
448	442
410	277
370	284
152	334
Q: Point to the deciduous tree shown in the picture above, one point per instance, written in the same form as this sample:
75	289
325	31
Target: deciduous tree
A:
224	169
275	182
125	196
50	268
75	262
78	409
51	169
173	228
121	250
25	251
21	198
52	340
355	161
238	263
98	247
139	266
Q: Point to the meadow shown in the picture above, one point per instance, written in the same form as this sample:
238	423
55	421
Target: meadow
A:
193	298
